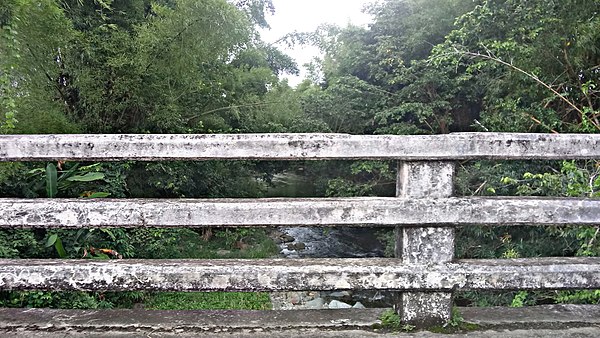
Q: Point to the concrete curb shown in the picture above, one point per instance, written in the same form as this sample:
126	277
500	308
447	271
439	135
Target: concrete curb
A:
539	321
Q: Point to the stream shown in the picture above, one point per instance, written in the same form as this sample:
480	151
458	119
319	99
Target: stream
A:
326	242
341	242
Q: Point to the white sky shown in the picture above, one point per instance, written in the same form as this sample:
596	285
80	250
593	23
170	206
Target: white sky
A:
306	16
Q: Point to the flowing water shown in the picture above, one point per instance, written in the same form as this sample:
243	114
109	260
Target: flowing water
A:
319	242
331	242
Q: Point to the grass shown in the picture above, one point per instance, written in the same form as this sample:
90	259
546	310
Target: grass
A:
188	244
391	322
259	245
456	324
209	301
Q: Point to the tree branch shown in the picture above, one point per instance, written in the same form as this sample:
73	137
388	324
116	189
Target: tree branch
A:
491	57
208	112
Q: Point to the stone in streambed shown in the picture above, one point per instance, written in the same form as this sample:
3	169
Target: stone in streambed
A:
286	238
336	304
317	303
340	294
296	246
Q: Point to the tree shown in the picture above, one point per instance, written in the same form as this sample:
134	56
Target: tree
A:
385	68
29	72
136	66
539	42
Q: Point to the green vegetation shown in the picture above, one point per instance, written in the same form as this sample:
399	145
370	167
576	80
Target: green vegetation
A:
186	66
158	243
455	324
390	321
209	300
491	66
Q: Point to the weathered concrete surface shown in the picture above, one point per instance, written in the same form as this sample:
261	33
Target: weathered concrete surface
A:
202	321
545	321
425	180
431	179
425	245
299	146
299	274
359	211
425	309
546	316
584	332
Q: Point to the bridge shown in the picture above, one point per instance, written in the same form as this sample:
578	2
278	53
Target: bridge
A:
424	214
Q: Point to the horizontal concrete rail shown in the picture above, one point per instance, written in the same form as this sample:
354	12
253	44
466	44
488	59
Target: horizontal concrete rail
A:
365	211
299	146
556	321
198	321
299	274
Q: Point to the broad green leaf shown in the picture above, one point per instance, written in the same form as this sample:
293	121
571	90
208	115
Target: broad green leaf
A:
51	186
79	233
51	240
59	248
69	172
86	178
90	167
36	171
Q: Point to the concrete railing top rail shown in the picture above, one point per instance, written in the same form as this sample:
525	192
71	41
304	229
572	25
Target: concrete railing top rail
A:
149	147
424	215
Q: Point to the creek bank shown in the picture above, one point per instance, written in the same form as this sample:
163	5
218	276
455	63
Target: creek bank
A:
313	300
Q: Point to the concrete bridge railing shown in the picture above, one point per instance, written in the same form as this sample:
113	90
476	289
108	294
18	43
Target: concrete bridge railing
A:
424	214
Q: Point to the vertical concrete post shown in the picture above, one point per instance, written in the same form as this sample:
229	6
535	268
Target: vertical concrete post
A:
425	245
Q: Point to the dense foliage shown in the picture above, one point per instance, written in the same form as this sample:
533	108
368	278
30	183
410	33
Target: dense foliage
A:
483	65
138	66
184	66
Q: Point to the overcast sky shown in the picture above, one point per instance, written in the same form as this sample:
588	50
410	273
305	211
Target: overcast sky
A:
306	16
